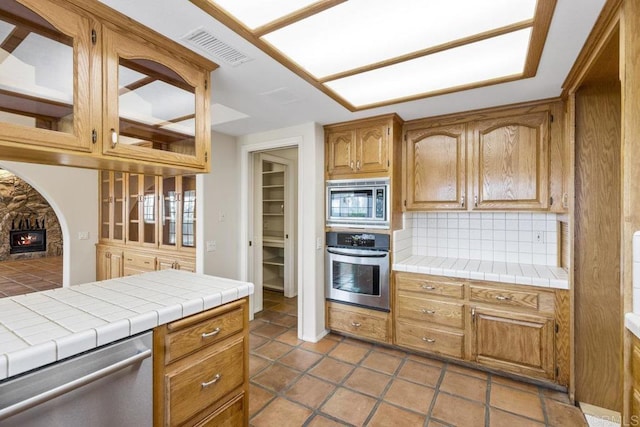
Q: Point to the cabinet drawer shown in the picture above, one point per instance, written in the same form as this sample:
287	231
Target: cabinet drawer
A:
374	326
136	261
423	309
430	286
202	379
510	298
230	415
204	333
429	339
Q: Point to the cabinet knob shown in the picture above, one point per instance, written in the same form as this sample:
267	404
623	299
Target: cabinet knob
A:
425	311
356	324
351	164
475	201
114	138
213	381
503	298
428	287
358	165
429	340
462	201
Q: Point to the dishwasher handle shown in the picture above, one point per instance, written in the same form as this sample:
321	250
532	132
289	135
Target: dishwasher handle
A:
72	385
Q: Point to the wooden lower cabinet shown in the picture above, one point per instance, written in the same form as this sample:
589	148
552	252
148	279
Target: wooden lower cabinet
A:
430	339
359	322
201	368
510	328
110	263
514	342
635	388
120	260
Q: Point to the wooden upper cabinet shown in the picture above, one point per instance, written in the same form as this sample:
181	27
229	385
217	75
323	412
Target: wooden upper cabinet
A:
340	152
511	162
362	148
372	148
436	168
156	104
83	85
43	101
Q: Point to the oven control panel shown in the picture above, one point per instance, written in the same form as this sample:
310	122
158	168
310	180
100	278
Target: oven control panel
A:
358	240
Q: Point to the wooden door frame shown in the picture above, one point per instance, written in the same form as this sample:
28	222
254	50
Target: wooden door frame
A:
246	252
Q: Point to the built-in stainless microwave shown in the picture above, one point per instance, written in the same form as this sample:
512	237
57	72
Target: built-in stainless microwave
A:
362	203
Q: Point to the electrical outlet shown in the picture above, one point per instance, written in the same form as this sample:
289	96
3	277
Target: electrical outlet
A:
319	243
222	216
83	235
212	246
538	236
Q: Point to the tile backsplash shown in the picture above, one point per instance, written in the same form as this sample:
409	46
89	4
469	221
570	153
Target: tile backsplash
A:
521	237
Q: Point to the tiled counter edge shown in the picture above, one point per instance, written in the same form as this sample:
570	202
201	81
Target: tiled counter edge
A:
45	327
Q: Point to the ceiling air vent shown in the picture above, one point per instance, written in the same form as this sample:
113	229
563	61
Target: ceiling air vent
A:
208	43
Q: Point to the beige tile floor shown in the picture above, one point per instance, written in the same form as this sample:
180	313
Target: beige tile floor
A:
30	275
345	382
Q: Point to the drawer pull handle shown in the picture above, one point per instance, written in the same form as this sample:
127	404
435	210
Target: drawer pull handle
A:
501	298
429	287
429	340
216	331
425	311
213	381
356	324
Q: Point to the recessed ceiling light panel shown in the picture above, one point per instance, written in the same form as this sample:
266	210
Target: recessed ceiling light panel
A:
490	59
254	13
361	32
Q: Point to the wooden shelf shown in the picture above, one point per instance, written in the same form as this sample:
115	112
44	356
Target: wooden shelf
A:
274	261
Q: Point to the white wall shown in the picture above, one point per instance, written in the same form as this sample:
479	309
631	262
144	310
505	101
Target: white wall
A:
73	195
218	210
309	137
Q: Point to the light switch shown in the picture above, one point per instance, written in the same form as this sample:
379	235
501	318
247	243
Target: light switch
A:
212	246
222	216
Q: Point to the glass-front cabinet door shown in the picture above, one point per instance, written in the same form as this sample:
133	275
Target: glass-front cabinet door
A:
45	75
155	104
189	211
178	212
142	209
112	202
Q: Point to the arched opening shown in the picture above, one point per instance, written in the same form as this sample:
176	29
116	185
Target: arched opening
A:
31	239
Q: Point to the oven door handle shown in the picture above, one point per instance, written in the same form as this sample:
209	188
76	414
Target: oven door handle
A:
358	255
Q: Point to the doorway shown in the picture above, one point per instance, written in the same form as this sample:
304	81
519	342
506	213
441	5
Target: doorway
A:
597	233
31	244
273	224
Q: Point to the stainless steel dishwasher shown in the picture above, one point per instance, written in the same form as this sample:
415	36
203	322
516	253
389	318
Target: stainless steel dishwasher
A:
109	386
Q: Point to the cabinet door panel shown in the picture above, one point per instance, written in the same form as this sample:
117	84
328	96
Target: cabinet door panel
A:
515	342
436	168
154	103
372	149
511	162
340	152
46	75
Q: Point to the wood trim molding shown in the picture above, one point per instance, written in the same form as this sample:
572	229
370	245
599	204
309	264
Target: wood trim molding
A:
604	27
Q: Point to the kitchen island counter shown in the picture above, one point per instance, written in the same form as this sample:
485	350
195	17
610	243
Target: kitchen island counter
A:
45	327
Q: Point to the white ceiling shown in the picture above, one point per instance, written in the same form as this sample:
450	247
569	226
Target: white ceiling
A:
273	97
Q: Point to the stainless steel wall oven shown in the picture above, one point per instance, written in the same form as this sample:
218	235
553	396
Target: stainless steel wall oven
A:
357	269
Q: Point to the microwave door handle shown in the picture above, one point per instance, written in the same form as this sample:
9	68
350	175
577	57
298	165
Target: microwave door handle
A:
358	255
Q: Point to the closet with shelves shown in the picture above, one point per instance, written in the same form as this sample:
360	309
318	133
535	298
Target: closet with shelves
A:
273	225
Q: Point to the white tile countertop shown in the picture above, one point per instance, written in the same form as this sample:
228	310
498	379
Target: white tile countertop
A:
632	323
505	272
43	327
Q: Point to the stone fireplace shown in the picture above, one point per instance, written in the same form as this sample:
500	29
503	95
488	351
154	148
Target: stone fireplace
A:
29	227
